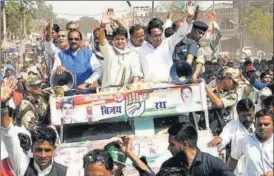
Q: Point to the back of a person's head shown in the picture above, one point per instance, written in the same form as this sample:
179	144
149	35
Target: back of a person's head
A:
25	141
247	63
96	156
184	131
154	23
120	31
245	105
247	59
56	27
43	133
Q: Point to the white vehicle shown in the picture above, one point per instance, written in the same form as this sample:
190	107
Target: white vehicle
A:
96	118
249	51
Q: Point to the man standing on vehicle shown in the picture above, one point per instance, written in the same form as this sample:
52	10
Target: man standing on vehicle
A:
80	62
158	51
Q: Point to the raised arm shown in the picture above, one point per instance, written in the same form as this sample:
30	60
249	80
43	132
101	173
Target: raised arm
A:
215	100
102	35
18	158
116	19
49	31
126	147
184	29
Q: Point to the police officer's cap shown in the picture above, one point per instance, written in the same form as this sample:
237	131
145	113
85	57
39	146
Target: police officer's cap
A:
200	25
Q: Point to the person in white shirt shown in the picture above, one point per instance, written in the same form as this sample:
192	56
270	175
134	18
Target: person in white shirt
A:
121	65
137	36
257	147
43	145
51	44
235	130
156	55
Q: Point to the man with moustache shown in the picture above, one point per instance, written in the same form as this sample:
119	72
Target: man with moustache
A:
137	36
183	146
158	51
257	147
80	62
186	95
235	130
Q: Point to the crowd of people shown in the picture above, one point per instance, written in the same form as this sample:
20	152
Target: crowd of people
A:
240	100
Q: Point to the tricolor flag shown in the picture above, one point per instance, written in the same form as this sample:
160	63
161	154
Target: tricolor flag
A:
182	5
216	32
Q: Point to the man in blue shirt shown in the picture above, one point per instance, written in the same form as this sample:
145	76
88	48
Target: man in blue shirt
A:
80	62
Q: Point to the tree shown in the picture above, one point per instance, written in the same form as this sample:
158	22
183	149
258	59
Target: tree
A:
42	14
43	11
86	24
19	17
259	23
13	19
61	22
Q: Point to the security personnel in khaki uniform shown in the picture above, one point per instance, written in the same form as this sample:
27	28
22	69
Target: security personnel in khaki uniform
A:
222	95
200	61
34	108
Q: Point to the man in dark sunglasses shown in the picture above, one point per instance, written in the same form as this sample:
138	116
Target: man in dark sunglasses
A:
80	62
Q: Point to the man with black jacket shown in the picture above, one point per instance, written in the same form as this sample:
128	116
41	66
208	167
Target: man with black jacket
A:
183	146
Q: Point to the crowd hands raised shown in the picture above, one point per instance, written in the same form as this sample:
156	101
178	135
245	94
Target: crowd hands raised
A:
116	59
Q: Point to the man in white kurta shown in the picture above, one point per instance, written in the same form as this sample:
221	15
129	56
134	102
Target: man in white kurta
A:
235	130
156	62
256	147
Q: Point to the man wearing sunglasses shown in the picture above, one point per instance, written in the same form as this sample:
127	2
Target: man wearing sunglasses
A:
80	62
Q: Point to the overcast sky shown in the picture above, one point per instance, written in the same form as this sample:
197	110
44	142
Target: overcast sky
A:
73	10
